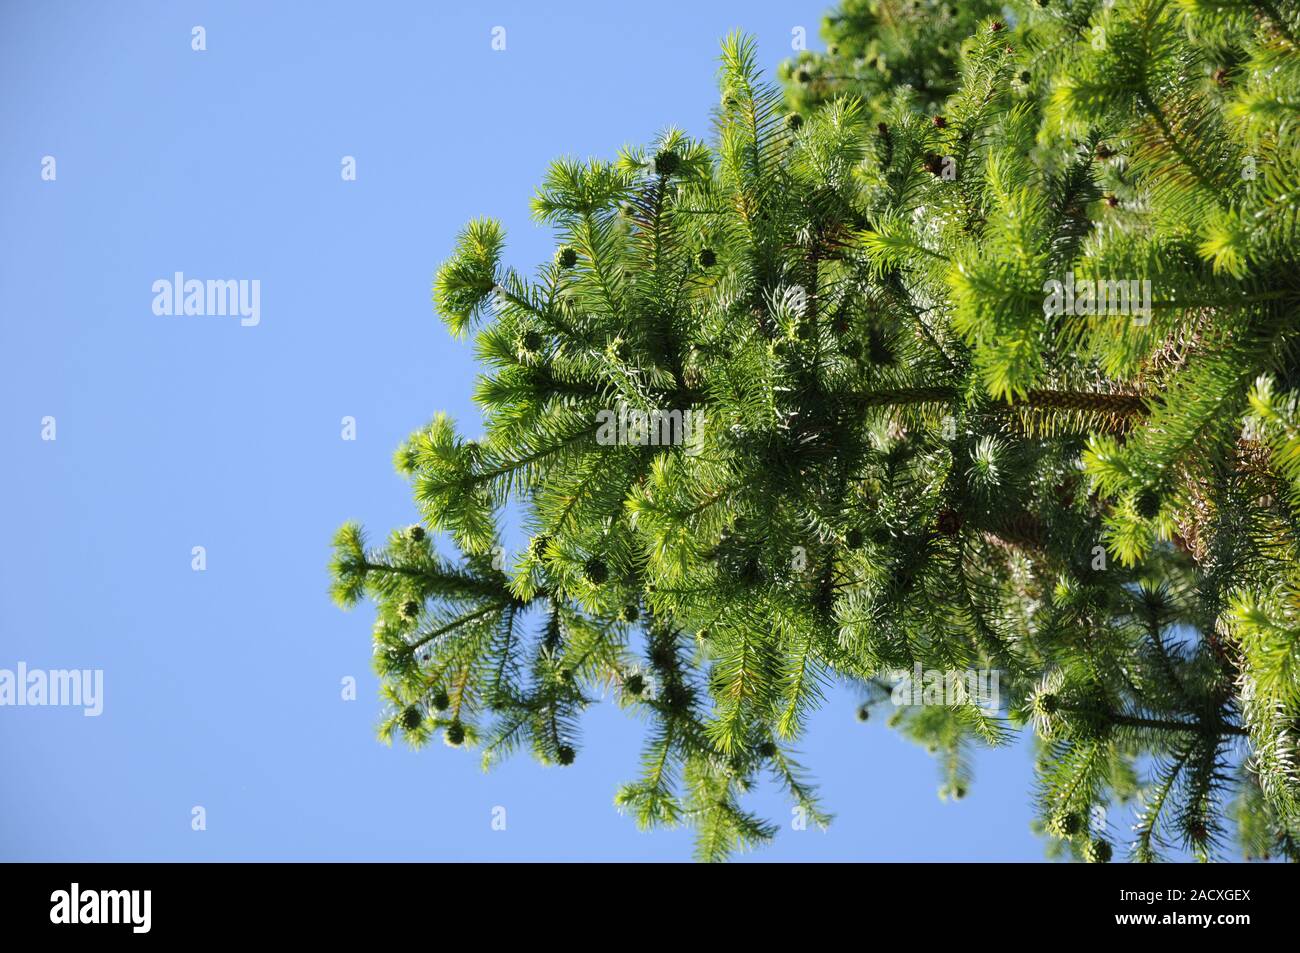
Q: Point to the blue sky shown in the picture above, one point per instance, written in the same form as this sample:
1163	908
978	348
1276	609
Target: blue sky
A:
222	687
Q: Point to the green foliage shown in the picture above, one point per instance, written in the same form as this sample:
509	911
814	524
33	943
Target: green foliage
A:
900	443
873	47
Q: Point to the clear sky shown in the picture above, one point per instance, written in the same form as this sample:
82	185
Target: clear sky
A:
222	687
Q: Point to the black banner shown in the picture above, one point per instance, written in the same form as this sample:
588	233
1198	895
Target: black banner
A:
334	901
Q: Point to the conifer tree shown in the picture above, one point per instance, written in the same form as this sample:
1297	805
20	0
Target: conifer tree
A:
933	421
875	47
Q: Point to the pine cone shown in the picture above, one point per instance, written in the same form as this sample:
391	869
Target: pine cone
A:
596	571
667	162
950	522
1148	504
1097	851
